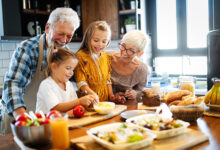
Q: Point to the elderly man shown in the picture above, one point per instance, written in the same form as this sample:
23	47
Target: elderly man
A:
29	61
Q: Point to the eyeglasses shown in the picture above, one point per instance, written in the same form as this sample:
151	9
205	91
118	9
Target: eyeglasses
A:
128	51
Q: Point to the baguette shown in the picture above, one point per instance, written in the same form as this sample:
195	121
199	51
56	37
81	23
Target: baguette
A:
176	102
176	95
187	101
199	100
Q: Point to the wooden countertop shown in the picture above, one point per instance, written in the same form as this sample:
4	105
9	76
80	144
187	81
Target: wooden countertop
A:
208	125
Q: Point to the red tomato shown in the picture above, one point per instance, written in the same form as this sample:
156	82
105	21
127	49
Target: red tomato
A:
53	114
78	111
20	123
38	115
22	117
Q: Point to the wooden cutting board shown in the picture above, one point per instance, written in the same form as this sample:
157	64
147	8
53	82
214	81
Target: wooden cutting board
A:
186	140
93	117
145	107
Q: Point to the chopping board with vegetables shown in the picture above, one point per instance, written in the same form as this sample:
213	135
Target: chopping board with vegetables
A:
186	140
93	117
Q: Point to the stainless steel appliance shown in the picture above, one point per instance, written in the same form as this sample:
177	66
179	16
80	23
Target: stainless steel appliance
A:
213	57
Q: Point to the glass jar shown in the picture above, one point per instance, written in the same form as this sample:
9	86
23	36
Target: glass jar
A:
187	83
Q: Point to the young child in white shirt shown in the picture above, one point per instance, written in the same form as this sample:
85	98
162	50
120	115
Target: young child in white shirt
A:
56	92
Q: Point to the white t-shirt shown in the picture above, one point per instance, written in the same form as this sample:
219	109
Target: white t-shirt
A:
50	94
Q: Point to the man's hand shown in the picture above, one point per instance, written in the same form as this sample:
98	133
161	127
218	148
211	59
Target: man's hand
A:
18	111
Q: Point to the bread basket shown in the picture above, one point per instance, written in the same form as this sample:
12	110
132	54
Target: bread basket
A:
188	113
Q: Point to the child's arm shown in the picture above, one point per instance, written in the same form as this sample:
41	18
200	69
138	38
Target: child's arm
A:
66	106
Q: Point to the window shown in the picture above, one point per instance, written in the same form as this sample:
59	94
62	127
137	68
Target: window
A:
166	30
197	23
179	33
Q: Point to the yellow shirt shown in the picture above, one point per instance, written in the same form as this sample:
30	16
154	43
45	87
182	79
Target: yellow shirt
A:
96	78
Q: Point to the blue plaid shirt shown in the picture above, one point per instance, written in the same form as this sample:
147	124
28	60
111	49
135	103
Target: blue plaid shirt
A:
21	70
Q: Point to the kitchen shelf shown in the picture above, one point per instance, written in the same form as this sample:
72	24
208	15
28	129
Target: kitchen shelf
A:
127	11
32	11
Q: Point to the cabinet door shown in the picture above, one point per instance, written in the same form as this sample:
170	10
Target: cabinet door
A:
93	10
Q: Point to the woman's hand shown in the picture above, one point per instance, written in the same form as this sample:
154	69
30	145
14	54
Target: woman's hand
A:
130	94
118	98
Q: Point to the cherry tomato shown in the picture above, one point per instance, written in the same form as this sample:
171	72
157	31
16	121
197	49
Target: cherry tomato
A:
46	121
78	111
22	117
38	115
53	114
20	123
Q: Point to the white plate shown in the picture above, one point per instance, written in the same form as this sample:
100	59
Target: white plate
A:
160	134
105	128
133	113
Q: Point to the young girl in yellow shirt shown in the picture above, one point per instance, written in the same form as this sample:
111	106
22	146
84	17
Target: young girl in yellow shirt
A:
93	71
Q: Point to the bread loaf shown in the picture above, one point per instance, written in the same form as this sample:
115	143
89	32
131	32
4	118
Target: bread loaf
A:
150	98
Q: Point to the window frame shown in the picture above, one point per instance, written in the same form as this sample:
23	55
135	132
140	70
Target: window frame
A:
182	49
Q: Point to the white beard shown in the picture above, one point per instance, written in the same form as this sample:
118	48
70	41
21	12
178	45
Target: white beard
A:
51	43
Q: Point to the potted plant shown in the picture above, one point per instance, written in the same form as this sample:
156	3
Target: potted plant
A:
129	24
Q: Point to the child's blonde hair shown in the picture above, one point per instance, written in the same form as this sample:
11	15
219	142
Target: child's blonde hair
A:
58	57
86	42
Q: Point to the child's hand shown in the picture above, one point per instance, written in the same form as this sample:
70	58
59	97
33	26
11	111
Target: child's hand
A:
86	100
95	98
130	94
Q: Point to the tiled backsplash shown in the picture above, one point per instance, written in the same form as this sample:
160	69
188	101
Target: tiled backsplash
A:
7	48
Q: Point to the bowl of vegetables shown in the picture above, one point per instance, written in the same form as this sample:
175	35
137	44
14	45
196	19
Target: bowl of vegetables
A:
162	127
121	136
33	129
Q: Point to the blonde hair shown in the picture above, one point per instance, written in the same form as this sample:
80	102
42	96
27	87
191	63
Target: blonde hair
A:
86	42
58	57
137	38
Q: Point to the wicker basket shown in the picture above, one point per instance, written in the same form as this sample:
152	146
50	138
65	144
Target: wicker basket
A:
187	113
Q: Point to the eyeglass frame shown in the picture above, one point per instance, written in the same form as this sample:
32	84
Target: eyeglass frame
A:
125	49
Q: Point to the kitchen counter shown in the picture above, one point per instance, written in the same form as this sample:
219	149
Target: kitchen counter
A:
208	125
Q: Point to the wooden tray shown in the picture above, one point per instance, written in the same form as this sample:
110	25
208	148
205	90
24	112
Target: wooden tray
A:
186	140
93	117
144	107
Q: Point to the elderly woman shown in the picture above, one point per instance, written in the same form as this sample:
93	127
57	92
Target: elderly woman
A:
129	74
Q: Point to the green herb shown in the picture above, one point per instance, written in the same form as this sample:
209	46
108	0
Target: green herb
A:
110	139
134	138
124	125
177	125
